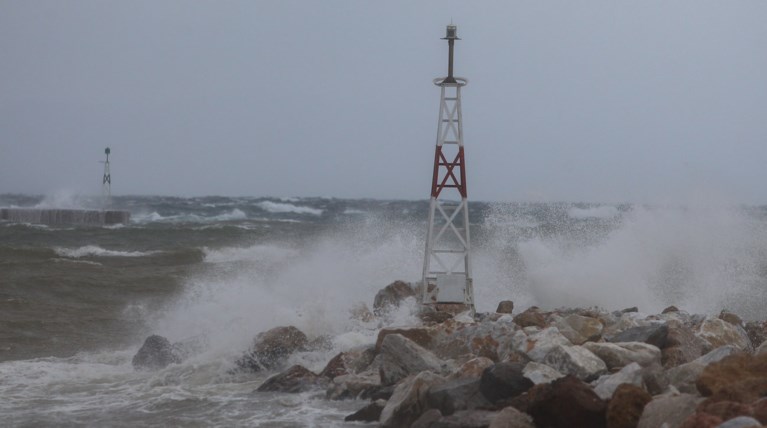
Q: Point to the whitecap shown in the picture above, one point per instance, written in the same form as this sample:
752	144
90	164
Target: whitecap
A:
277	208
96	251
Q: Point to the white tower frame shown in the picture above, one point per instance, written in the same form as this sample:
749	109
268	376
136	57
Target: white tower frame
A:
447	276
106	183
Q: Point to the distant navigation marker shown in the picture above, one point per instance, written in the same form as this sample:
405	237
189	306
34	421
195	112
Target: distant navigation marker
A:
447	279
106	184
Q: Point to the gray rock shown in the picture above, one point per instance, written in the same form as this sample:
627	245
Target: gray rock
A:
683	377
466	419
295	379
408	401
741	422
352	386
539	344
271	348
579	329
401	357
717	354
427	419
654	334
669	410
577	361
461	394
156	353
617	355
504	380
606	385
718	333
369	413
510	417
540	373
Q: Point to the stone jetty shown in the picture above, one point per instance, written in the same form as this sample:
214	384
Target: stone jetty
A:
567	367
55	217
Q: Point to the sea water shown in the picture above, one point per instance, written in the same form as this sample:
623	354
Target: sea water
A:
76	302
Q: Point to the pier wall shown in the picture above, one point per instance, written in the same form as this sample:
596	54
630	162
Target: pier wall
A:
64	216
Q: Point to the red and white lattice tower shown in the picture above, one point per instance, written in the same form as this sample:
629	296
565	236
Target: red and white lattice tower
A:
447	263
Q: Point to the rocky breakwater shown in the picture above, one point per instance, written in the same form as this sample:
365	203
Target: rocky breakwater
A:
569	367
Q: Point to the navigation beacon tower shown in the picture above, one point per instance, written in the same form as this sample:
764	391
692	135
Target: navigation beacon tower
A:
447	262
106	183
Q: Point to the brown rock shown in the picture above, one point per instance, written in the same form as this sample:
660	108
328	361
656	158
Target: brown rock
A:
759	409
731	318
391	296
295	379
434	317
567	403
531	317
738	377
505	307
335	367
626	406
671	308
682	345
472	368
701	420
725	410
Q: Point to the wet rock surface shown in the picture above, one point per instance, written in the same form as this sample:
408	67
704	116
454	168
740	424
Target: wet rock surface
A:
567	367
156	353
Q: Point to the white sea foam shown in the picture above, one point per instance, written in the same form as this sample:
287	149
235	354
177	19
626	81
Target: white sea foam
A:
235	214
603	212
96	251
278	207
700	258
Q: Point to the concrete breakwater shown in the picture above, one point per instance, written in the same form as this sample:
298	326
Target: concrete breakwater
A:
52	216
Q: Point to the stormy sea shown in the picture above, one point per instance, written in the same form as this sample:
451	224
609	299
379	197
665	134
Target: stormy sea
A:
76	303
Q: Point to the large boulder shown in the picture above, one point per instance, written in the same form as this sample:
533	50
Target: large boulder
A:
540	373
353	386
369	413
510	417
466	419
271	349
626	406
472	369
295	379
532	316
156	353
419	335
539	344
504	380
566	403
579	329
718	332
400	357
606	385
682	345
408	401
392	296
668	409
617	355
460	394
577	361
505	307
738	377
654	334
454	339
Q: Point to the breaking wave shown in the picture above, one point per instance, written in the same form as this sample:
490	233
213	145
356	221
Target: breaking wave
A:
96	251
278	207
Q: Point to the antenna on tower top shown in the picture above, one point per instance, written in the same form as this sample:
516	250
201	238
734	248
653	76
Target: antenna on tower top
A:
451	35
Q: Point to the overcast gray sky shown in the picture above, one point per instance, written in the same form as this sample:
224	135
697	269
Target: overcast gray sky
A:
608	101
